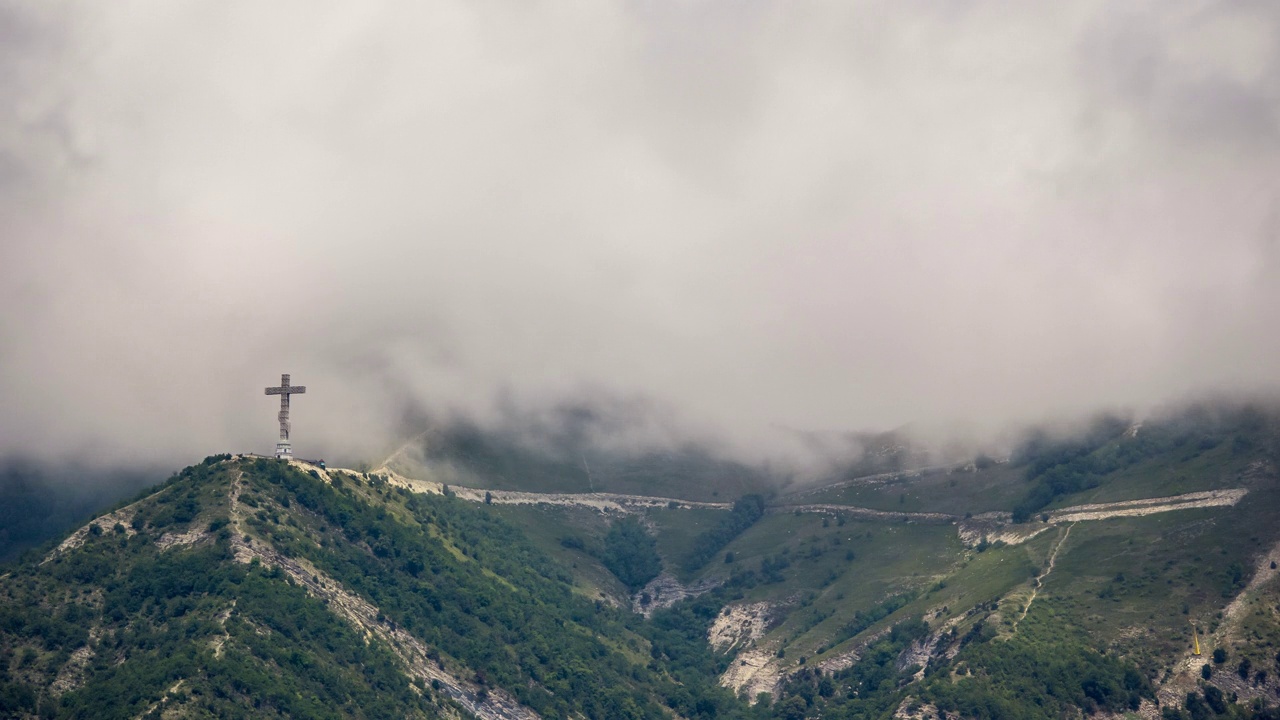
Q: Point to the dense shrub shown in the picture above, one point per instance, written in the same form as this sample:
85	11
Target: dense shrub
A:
746	511
631	553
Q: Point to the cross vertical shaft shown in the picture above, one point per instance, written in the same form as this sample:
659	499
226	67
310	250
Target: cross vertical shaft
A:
284	416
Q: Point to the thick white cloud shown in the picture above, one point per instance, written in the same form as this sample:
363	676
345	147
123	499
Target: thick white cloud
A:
814	215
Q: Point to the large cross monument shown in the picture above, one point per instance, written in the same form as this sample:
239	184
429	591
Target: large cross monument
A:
284	390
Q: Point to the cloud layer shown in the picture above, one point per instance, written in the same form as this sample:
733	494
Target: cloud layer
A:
813	216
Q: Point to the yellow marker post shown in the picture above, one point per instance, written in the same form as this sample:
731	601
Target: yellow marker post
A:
1195	634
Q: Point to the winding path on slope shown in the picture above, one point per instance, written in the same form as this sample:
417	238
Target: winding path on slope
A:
1039	581
617	502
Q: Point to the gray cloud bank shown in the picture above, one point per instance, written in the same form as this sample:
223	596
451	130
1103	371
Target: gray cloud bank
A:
814	216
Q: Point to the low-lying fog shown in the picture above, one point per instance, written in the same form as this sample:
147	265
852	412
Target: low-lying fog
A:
748	223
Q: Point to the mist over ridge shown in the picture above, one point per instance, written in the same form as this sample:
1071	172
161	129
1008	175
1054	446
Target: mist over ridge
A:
754	227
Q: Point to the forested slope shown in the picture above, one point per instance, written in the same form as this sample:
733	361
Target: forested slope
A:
188	600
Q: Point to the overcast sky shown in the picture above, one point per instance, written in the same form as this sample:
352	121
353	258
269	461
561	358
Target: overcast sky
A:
810	215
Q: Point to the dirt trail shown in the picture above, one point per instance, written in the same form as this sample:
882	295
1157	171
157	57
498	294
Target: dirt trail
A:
871	479
1039	581
600	501
998	526
617	502
1148	506
854	511
150	711
992	525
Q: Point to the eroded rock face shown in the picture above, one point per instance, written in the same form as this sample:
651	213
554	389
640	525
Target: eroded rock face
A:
739	626
71	676
190	537
754	671
912	709
848	658
665	591
995	527
920	652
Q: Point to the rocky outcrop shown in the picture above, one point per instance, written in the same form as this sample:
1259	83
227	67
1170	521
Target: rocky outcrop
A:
190	537
71	675
913	709
739	626
665	591
105	523
754	671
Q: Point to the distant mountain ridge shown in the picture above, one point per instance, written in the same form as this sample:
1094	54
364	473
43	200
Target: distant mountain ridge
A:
41	500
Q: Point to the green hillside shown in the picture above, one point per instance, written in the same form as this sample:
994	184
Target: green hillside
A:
827	584
1060	582
237	589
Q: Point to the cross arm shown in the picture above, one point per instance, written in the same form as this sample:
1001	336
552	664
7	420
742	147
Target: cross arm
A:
290	390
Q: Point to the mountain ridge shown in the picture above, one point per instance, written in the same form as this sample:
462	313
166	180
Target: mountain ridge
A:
255	587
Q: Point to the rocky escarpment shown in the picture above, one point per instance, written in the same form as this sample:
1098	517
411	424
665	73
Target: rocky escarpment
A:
753	672
739	626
